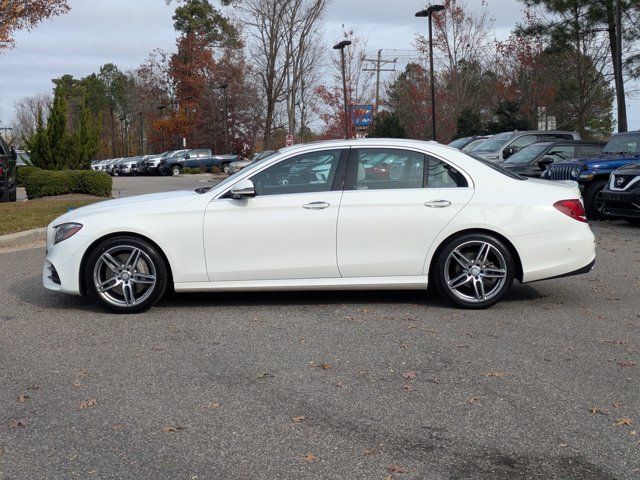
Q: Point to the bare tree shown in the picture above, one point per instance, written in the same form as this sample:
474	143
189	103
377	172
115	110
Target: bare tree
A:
26	117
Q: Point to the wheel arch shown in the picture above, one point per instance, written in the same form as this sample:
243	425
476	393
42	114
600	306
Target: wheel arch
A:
512	249
93	246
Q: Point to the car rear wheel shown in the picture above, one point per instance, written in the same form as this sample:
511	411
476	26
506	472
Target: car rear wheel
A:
594	200
474	271
13	194
175	170
125	275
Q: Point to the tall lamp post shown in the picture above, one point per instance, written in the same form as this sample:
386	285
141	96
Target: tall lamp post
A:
340	46
224	87
429	13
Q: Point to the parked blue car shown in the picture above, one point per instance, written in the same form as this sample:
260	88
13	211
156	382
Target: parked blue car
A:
592	173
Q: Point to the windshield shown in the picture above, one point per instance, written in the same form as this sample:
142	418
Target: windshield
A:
497	167
459	143
527	154
250	168
494	143
627	143
176	153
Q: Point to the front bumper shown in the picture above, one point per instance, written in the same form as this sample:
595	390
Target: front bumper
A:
622	204
61	269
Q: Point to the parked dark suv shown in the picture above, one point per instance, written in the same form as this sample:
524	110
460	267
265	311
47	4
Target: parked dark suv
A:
533	160
622	193
8	173
592	173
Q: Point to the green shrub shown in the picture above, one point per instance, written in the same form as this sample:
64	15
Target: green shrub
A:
45	183
216	170
90	182
190	171
24	172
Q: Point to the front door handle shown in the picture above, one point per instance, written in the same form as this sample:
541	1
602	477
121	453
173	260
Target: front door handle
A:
437	204
316	206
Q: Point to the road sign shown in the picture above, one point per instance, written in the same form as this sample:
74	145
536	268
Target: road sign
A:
289	140
362	115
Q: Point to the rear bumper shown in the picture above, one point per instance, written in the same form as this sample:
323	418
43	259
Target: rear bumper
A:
586	269
562	252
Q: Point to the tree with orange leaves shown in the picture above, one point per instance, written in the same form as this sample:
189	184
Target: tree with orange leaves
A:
20	14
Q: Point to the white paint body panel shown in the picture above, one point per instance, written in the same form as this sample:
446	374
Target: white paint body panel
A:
365	239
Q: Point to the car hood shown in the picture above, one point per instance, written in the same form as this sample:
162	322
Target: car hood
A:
117	205
630	169
601	159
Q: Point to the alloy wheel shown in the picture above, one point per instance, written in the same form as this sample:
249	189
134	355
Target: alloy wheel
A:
475	271
124	276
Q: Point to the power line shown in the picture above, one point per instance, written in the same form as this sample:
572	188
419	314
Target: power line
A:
379	63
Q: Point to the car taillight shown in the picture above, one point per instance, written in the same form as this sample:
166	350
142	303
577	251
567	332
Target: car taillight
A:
1	171
572	208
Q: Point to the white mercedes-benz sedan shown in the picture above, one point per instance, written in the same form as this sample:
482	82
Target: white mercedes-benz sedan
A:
362	214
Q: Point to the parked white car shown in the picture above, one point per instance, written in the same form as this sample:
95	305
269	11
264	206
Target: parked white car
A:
363	214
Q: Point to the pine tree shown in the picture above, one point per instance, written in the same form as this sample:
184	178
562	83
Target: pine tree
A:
86	139
60	142
387	125
38	144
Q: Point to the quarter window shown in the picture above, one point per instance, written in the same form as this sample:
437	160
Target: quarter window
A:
309	172
443	175
523	141
379	169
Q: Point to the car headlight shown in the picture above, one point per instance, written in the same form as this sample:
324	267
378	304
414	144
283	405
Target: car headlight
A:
575	171
66	230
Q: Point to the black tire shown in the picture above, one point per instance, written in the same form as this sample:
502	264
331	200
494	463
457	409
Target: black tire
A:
13	194
634	221
175	170
594	200
498	261
149	263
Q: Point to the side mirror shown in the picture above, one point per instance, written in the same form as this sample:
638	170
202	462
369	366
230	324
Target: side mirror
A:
545	162
13	154
187	156
243	189
509	151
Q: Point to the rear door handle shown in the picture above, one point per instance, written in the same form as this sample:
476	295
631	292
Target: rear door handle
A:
316	206
437	203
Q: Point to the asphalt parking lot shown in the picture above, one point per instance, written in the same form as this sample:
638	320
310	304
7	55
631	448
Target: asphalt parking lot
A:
326	385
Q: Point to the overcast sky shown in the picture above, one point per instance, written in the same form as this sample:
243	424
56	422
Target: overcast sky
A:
124	32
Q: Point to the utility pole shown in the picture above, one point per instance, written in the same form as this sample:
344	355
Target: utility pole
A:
341	46
378	64
141	134
617	65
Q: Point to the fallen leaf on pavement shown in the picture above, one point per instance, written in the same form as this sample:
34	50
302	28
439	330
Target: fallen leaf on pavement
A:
18	423
325	366
409	375
23	398
623	421
627	364
212	405
407	388
370	451
405	346
595	410
617	405
265	375
88	403
118	426
310	458
339	384
172	429
495	374
301	340
396	469
472	400
299	419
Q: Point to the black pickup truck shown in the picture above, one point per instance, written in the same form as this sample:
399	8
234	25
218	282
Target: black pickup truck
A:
8	173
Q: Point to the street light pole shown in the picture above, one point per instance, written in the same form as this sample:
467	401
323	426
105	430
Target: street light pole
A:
141	135
340	46
224	87
429	13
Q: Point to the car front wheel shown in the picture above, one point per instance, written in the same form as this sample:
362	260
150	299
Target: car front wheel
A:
594	200
474	271
125	275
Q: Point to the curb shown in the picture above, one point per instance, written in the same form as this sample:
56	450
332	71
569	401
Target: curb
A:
20	239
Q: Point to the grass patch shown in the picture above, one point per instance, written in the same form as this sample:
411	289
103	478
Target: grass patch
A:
20	216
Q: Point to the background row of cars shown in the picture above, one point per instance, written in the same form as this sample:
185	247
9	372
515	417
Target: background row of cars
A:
168	163
608	173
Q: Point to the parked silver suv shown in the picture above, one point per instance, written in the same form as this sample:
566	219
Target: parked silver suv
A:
501	146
